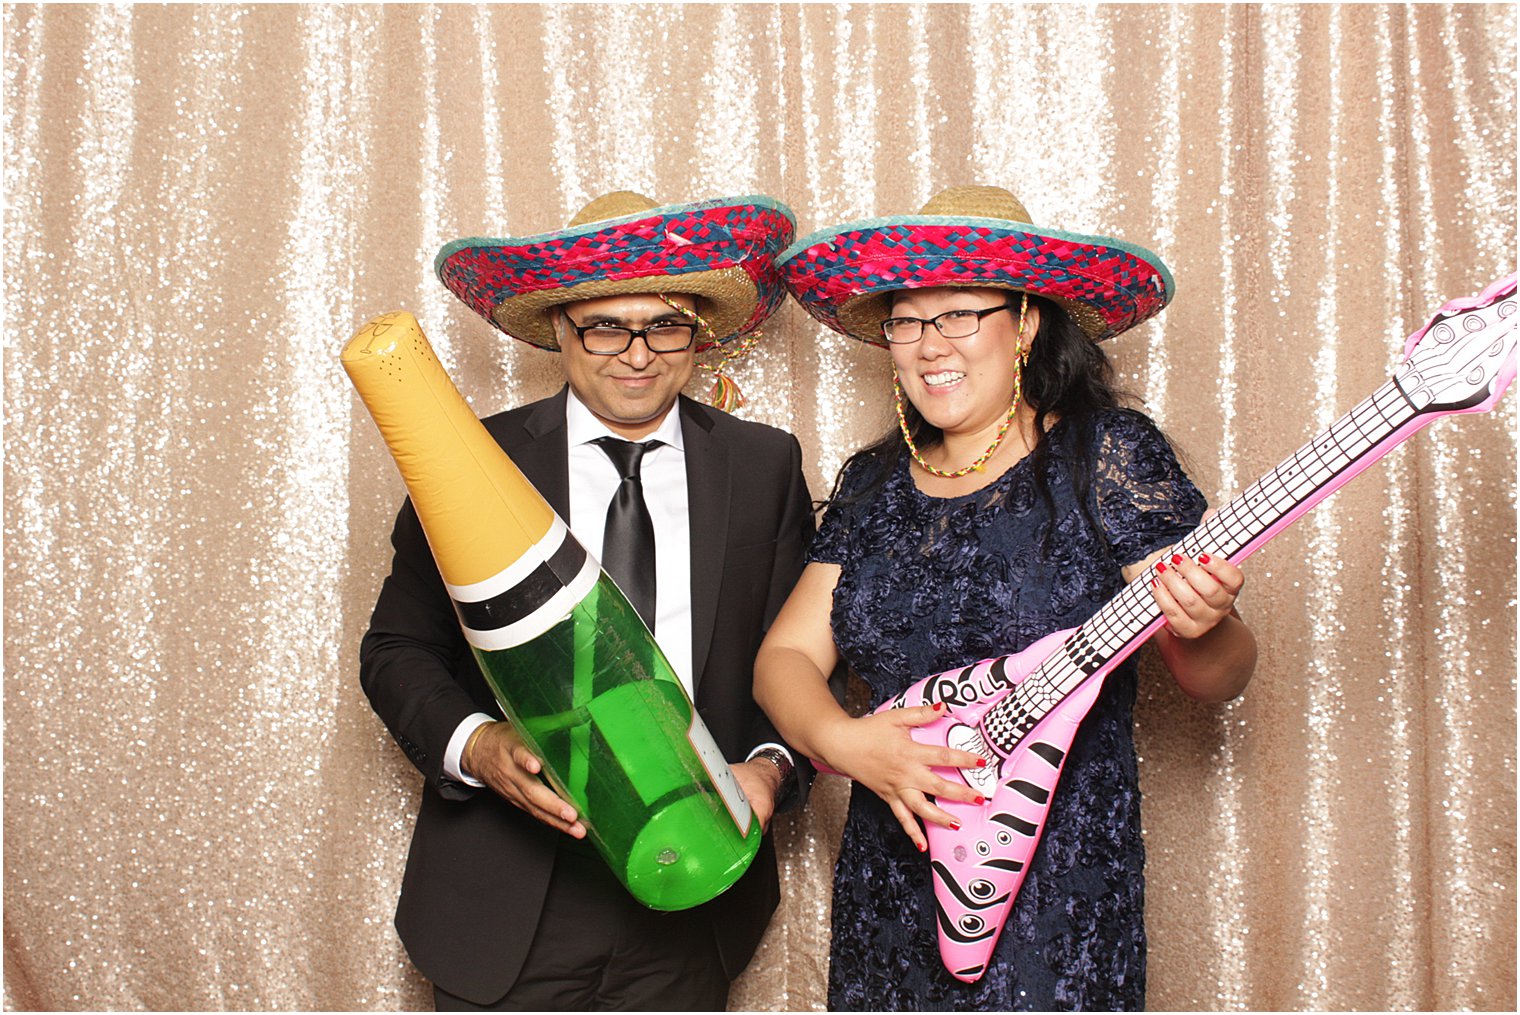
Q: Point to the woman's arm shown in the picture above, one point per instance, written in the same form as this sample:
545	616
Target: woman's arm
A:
791	685
1208	648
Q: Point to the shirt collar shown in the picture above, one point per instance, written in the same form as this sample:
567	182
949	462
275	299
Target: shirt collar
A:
581	427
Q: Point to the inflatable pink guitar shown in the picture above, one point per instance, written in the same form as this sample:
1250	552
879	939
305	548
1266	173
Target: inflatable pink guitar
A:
1021	711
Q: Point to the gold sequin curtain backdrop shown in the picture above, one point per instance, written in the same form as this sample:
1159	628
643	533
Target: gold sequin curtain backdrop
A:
203	202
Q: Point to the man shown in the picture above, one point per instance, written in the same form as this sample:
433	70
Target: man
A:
504	905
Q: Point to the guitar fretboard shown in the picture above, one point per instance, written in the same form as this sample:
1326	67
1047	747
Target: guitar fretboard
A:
1238	529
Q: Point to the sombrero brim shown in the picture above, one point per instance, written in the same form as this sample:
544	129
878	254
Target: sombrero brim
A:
844	276
722	251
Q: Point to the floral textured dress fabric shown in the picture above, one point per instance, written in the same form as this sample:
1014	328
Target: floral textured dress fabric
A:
929	584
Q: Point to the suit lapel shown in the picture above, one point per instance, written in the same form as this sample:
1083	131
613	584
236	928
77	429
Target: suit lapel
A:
544	456
707	492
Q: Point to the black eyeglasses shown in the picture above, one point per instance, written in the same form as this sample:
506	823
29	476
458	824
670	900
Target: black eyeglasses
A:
951	324
607	340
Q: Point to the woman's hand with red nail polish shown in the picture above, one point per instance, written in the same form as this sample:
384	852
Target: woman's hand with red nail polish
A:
1209	650
879	752
1196	594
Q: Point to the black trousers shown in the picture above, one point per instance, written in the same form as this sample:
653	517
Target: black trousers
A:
596	949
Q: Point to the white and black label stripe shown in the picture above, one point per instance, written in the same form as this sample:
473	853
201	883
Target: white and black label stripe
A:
549	544
500	613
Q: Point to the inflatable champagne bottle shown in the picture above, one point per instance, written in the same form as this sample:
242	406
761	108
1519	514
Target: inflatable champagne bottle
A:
569	660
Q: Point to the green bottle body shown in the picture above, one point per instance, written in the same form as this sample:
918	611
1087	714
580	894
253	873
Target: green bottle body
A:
598	703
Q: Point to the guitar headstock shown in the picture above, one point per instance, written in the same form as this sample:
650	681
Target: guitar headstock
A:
1463	359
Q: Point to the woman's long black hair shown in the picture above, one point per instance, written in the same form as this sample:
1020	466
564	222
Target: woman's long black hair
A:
1067	375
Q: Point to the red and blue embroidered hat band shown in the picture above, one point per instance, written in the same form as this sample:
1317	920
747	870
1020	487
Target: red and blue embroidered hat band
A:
721	251
971	237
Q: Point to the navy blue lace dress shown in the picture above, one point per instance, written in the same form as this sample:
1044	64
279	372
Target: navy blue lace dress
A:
928	584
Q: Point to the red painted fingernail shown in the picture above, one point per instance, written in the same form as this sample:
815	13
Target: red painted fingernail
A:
980	800
1203	558
1161	567
939	706
981	762
1176	558
955	826
921	846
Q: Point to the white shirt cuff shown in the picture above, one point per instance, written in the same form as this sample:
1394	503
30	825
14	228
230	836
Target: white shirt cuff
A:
783	750
461	736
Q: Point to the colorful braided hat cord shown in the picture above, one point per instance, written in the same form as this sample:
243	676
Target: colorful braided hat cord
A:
724	393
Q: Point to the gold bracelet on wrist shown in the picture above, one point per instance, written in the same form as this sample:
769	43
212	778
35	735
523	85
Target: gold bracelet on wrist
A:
464	755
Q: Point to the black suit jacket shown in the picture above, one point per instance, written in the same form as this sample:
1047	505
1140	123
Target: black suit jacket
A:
479	868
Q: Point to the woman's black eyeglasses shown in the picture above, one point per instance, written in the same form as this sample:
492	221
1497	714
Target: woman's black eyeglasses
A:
951	324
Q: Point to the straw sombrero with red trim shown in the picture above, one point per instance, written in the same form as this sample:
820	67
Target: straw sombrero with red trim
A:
721	251
971	236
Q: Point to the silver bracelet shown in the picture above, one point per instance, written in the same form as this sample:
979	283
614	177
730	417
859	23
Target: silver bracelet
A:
784	766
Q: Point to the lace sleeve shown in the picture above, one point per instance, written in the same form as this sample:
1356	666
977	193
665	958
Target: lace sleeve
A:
1144	499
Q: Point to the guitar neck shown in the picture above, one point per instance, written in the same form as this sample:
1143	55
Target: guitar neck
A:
1316	470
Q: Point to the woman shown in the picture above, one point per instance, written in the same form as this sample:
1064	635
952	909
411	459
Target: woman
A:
1014	499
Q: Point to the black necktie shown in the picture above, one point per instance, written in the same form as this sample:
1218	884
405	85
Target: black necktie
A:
628	541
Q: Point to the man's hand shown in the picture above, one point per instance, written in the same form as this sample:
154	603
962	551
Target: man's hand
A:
498	757
760	782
